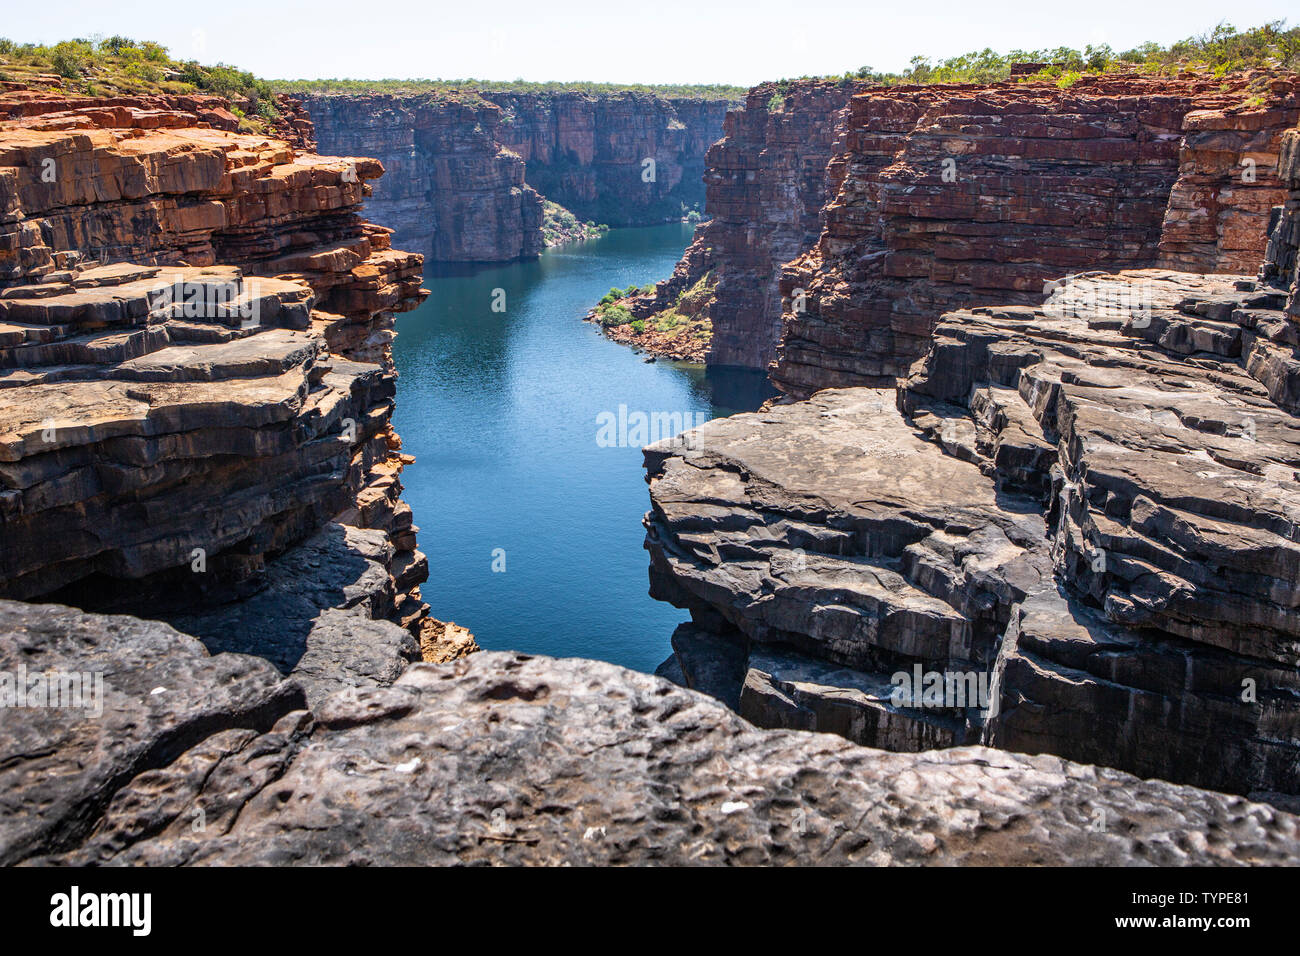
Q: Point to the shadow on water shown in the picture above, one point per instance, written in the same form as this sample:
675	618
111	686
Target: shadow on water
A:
500	409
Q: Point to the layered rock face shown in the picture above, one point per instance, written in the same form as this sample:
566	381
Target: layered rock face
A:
1282	263
949	196
1070	531
199	759
205	418
465	170
848	217
589	153
453	191
766	183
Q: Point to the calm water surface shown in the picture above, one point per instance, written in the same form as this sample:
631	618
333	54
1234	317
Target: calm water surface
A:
500	410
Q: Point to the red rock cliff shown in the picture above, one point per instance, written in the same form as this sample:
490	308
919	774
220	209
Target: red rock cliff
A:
465	171
994	192
766	183
453	192
196	383
919	199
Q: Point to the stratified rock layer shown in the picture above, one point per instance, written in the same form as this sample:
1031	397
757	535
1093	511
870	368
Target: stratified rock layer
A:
589	152
947	197
766	183
453	192
1080	517
501	758
174	430
891	205
467	171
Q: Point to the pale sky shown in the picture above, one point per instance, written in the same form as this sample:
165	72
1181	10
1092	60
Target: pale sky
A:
651	41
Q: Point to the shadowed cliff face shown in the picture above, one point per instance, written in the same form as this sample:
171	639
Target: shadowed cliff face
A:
589	153
846	218
465	175
453	192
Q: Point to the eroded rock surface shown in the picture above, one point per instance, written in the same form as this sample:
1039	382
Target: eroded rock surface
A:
1079	514
161	695
502	758
196	385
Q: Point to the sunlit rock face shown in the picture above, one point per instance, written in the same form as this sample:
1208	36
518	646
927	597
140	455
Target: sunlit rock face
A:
196	384
1082	516
847	218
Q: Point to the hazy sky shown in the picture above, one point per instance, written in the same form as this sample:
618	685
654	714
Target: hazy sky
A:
652	41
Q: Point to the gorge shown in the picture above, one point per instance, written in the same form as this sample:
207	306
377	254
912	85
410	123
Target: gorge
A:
468	171
1036	426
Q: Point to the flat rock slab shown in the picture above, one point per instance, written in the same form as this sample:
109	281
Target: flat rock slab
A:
162	693
503	758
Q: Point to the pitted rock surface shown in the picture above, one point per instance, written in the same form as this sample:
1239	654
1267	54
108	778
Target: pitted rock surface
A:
162	694
502	758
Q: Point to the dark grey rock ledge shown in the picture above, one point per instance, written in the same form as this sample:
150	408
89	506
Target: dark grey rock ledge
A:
502	758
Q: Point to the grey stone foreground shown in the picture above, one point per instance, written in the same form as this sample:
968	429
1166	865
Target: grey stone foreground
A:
504	758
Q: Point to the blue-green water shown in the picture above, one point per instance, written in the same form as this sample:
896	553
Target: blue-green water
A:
500	409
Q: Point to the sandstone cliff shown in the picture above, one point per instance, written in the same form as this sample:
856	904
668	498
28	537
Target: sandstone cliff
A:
454	192
962	197
766	183
466	170
196	384
1077	515
892	204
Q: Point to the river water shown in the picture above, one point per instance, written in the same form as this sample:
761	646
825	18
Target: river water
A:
530	516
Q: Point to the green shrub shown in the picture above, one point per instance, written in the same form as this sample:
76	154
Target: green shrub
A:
638	326
614	314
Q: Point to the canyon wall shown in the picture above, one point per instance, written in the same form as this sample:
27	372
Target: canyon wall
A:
196	391
846	217
196	385
468	171
766	183
454	192
588	153
987	195
1069	530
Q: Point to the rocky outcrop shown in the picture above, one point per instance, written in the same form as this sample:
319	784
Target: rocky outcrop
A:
453	191
467	171
966	196
103	700
200	430
891	205
1068	533
214	761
